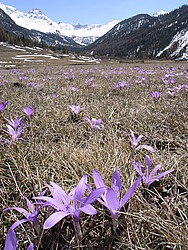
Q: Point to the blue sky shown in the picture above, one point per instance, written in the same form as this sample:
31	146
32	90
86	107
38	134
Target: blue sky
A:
94	11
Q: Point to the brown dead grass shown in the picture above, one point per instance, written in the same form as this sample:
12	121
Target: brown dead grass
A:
60	149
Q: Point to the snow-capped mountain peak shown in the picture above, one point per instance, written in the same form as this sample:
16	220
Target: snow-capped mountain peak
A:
35	19
35	11
8	9
159	13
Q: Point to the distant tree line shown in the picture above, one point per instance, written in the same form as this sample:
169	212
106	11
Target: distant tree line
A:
7	36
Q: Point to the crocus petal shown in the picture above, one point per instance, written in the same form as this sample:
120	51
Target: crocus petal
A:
71	195
138	139
87	119
39	202
77	109
94	195
130	192
15	123
58	193
19	209
23	109
80	189
112	200
116	182
103	195
10	130
9	142
54	218
29	205
90	122
93	123
97	126
146	147
89	187
11	241
103	202
17	223
97	179
19	131
43	192
11	122
29	110
138	169
17	135
147	163
154	171
132	142
30	247
2	105
88	209
98	121
164	173
52	202
133	136
72	107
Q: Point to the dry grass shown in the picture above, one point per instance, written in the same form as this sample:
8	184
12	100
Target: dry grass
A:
60	149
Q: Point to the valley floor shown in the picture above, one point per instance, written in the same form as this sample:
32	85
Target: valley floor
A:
58	145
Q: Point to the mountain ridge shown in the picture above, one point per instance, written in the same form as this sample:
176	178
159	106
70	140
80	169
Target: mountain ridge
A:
37	20
163	35
53	40
145	36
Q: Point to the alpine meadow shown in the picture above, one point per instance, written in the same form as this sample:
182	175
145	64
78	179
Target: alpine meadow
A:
93	127
94	156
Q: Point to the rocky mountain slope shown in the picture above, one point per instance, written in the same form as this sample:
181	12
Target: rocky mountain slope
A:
145	36
163	35
7	24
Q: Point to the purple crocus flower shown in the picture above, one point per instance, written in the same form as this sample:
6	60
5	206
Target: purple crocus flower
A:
164	80
171	92
155	95
21	78
75	109
2	106
14	128
30	215
15	123
89	81
116	86
95	123
74	89
33	84
54	95
149	177
28	111
111	198
72	204
172	81
135	142
180	86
